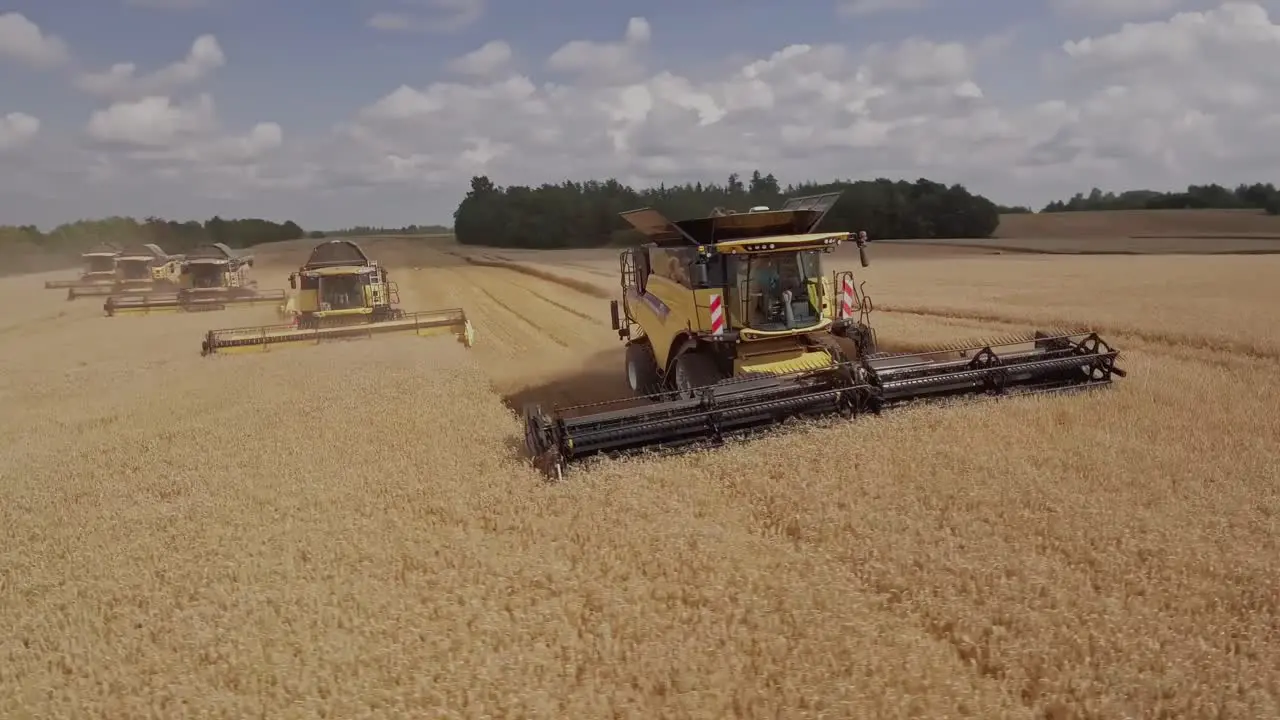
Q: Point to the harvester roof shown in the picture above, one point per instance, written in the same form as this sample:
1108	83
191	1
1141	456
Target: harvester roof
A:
213	254
797	217
101	250
145	251
336	253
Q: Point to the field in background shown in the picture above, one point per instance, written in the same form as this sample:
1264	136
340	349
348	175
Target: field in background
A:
1142	223
352	528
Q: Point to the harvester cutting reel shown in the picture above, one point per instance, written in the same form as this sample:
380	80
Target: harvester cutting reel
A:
1054	362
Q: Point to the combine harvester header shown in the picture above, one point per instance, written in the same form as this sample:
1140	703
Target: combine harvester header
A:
212	277
99	270
732	326
339	294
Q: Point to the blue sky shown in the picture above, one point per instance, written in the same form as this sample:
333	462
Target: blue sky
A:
984	89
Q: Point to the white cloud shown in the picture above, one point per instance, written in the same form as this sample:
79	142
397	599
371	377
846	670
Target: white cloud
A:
168	4
446	16
1186	99
176	137
152	122
484	60
17	129
24	41
122	81
1183	100
1114	9
605	61
861	8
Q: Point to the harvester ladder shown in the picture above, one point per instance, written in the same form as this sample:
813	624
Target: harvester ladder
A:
633	277
630	272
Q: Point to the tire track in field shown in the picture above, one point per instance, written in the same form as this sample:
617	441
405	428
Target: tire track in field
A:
537	327
534	298
573	311
590	269
498	336
587	288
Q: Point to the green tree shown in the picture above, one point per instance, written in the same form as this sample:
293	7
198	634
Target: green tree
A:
26	249
1256	196
585	214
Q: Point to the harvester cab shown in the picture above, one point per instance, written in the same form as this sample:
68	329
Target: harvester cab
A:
139	269
340	293
340	285
735	294
211	277
99	270
733	326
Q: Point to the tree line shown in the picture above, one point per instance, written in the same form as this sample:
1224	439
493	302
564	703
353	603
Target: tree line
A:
26	249
1257	196
367	230
585	214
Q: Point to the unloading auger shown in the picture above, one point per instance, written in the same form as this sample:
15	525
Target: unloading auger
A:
732	328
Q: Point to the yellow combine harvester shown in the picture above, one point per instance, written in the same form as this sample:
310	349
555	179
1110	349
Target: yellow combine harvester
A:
339	294
99	270
732	325
139	269
212	277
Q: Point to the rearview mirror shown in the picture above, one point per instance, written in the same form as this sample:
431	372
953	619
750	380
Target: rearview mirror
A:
293	282
700	274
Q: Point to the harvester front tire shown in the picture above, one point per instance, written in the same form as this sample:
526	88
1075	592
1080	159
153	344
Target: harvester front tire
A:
642	369
693	371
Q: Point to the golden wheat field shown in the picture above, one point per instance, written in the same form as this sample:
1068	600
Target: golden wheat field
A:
351	531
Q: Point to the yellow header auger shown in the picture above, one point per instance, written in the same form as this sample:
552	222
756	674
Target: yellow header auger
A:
732	326
339	294
211	277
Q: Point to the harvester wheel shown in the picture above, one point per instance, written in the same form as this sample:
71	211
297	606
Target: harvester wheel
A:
642	369
694	370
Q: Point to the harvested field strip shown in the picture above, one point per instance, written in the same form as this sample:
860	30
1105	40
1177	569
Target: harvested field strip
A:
1136	245
592	269
582	287
551	306
539	330
1238	347
571	310
352	530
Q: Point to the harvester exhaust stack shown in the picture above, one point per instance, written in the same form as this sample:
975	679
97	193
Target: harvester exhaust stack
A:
1034	363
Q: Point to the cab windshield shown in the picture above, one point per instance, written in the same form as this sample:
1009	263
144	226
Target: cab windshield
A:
777	291
134	269
206	275
342	292
100	263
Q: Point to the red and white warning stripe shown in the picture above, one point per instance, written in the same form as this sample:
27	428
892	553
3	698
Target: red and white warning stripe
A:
846	297
717	315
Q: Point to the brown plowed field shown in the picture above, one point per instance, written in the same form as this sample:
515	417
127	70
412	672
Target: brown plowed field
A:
351	530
